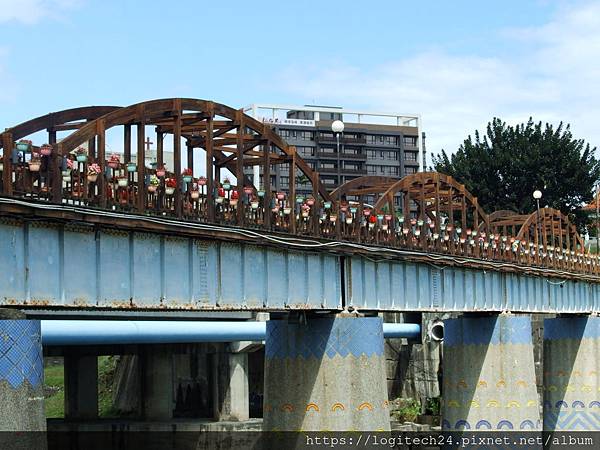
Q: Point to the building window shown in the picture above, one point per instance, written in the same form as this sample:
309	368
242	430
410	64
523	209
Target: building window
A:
284	181
372	154
351	151
390	140
389	170
329	116
371	170
377	139
410	140
410	156
410	170
329	181
287	134
328	165
328	150
389	155
352	166
305	135
305	151
326	134
284	167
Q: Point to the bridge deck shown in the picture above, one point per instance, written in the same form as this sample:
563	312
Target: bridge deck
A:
80	258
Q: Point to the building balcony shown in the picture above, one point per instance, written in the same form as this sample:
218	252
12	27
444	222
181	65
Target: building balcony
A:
323	155
359	156
327	171
343	140
353	171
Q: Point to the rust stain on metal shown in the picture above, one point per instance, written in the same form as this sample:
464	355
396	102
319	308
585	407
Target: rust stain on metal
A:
39	302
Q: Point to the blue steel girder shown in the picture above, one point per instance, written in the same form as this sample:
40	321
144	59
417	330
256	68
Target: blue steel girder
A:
65	266
53	264
407	286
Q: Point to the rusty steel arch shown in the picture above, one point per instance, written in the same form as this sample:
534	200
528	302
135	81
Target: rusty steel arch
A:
506	222
54	122
68	119
194	120
365	185
551	229
435	194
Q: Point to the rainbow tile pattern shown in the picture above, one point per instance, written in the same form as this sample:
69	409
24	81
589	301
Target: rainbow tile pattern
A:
21	353
325	337
326	374
489	377
571	367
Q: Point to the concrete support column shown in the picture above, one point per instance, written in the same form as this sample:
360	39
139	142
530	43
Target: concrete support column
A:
326	374
489	375
572	374
21	384
230	386
157	383
81	387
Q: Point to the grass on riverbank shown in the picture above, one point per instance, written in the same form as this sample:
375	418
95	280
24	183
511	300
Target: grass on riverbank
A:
54	387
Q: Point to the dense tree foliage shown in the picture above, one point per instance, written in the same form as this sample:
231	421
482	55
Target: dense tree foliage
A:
505	166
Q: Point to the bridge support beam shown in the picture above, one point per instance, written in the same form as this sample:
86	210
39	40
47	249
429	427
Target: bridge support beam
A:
81	386
157	383
325	374
572	374
230	394
21	383
489	374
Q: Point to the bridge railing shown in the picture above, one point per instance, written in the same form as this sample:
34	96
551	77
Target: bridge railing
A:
79	174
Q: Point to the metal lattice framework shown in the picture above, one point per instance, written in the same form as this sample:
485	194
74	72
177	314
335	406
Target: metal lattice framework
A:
429	212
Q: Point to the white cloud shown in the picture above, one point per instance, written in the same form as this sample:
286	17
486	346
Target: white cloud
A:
555	76
33	11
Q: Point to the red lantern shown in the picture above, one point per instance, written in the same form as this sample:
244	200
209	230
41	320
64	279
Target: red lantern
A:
372	219
248	190
221	192
235	195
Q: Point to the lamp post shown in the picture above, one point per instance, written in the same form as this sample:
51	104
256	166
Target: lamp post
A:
337	126
598	218
537	194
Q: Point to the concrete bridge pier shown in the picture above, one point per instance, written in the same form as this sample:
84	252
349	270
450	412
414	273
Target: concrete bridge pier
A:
489	375
157	388
572	374
325	373
21	383
81	386
230	389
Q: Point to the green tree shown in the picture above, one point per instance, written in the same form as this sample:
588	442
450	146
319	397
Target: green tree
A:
505	166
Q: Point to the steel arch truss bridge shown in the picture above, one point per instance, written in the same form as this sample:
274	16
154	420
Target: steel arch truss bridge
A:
71	179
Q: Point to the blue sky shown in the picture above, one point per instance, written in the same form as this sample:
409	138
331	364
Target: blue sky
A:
458	64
